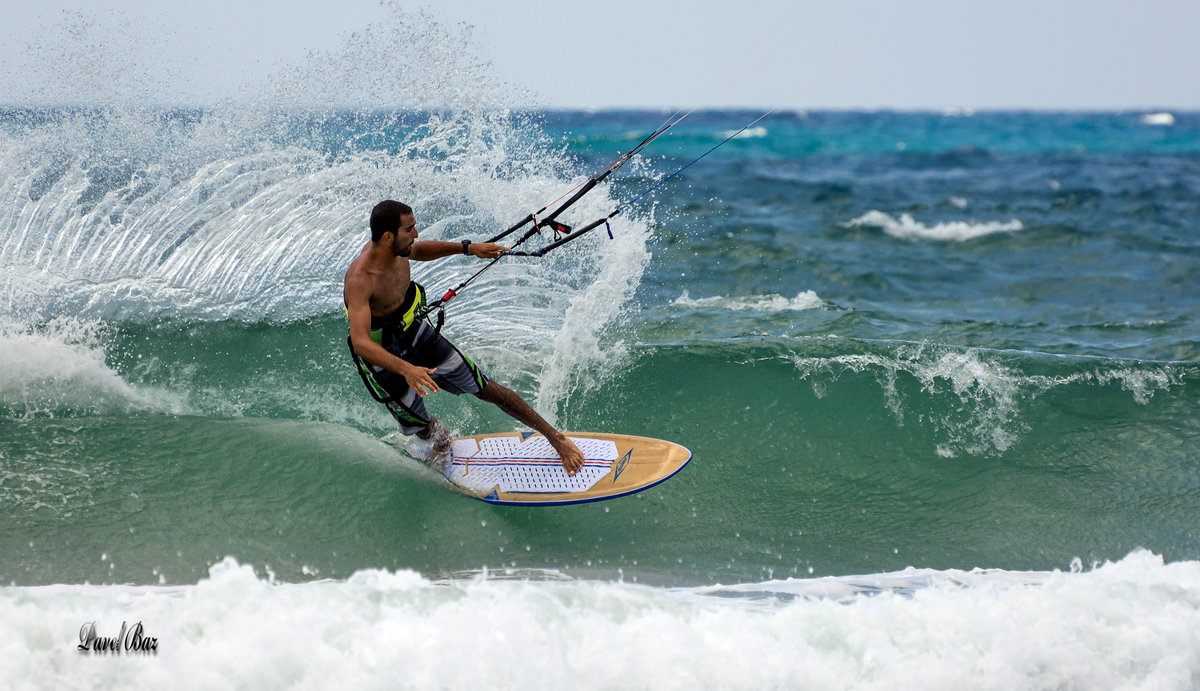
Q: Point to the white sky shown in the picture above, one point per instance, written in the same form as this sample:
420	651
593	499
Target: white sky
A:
1043	54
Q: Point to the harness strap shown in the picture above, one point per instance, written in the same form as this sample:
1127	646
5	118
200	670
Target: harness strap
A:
368	381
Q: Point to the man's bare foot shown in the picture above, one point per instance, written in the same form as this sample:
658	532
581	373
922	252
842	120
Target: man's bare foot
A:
435	443
443	439
572	457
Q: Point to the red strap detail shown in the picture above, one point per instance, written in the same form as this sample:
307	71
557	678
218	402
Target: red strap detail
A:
449	294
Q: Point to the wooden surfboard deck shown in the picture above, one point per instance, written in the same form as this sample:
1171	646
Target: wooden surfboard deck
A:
522	469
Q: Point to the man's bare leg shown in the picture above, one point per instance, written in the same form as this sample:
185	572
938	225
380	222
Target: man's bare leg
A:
507	400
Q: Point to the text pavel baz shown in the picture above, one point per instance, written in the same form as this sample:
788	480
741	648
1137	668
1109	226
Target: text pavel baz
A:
130	640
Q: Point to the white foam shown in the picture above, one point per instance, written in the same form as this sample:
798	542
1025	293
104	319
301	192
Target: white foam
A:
806	300
1130	624
1158	119
756	132
908	228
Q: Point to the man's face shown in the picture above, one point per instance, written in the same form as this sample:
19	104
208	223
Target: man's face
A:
403	240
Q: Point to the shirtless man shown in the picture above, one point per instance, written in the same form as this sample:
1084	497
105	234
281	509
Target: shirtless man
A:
403	356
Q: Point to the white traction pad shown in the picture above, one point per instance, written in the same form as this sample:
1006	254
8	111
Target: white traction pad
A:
528	465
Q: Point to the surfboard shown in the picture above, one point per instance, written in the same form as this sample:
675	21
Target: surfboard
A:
522	469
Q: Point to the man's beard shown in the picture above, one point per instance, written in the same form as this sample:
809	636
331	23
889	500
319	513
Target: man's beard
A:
396	249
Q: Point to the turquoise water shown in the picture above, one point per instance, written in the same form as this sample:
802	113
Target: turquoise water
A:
891	340
1006	378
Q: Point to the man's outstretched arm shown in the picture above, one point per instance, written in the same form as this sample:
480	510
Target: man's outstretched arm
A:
427	250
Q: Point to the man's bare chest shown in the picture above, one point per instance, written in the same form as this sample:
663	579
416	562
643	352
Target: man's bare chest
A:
390	288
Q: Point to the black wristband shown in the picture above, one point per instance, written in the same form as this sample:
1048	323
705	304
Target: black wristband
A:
466	243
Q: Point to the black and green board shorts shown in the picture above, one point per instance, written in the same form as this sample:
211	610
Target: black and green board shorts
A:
417	342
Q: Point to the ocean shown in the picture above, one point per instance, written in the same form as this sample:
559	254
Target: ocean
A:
939	372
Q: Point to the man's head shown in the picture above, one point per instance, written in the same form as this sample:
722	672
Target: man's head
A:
385	218
395	218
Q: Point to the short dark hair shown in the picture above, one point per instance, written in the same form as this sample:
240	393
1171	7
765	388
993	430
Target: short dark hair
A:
385	218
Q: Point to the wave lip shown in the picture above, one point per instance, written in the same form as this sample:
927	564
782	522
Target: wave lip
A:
62	369
908	228
980	397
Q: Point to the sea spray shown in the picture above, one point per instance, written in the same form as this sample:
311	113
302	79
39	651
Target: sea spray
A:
249	209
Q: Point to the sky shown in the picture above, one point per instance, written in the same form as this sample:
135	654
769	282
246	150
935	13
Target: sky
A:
804	54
